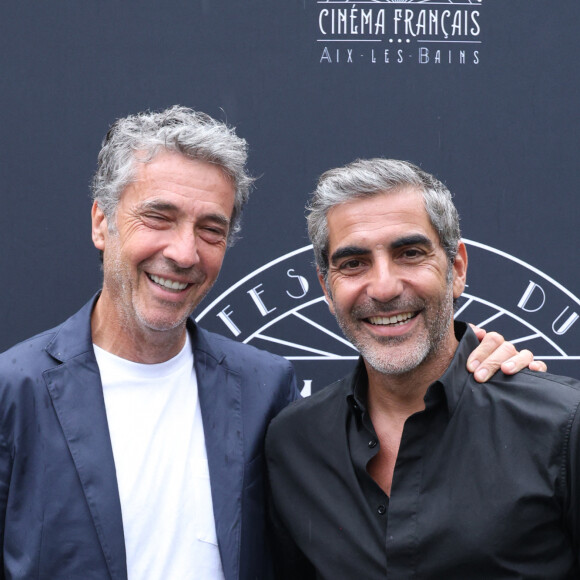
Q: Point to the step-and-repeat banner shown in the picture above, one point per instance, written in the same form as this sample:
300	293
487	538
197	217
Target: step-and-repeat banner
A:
482	93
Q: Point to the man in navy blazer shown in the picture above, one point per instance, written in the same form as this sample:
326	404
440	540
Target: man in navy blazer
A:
168	195
59	501
131	441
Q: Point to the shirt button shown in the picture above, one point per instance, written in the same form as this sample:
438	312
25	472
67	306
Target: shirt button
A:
381	510
372	443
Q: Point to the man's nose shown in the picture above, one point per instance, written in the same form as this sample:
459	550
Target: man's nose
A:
182	249
384	283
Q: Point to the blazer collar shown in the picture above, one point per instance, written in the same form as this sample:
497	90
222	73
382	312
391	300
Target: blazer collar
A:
73	337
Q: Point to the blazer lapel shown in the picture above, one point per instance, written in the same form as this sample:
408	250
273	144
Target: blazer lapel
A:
220	398
77	395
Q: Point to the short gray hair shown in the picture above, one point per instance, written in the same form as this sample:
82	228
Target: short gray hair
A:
365	178
177	129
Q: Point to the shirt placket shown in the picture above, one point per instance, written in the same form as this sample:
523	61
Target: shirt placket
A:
403	536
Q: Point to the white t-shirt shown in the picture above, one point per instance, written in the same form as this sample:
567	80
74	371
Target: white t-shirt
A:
160	458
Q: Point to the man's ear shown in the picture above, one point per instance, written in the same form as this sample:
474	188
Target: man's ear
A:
459	270
99	227
325	290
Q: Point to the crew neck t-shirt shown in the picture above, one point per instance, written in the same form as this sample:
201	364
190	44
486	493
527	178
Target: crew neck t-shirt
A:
158	442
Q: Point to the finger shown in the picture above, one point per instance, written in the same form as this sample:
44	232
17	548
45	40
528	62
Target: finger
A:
490	343
479	332
518	362
505	351
538	365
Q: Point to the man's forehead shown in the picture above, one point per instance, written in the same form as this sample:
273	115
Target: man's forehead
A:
170	179
171	165
401	208
386	199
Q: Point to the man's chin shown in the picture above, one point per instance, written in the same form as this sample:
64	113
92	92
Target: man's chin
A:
165	327
163	323
395	356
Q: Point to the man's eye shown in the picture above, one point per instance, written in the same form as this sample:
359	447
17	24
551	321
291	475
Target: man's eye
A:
350	265
213	235
412	253
154	217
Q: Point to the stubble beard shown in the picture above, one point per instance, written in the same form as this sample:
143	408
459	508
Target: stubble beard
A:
129	307
397	355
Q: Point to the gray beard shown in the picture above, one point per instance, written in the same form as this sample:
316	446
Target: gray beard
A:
376	351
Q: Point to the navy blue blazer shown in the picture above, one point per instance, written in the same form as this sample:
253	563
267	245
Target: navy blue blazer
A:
60	513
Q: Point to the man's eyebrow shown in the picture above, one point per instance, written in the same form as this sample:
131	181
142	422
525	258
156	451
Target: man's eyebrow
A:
158	205
411	240
347	252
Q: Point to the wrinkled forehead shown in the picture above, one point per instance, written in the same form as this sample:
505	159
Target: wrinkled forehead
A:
401	207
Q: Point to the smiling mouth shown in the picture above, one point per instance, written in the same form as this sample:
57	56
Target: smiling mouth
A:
166	284
395	320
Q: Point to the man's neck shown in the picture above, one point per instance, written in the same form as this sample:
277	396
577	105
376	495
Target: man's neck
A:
128	341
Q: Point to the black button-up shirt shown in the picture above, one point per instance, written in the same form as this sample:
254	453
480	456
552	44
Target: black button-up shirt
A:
485	484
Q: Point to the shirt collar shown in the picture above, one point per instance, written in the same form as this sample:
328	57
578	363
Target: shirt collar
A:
357	393
453	379
456	376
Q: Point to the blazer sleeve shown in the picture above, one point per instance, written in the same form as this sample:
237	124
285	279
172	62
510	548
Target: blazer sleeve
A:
293	393
5	471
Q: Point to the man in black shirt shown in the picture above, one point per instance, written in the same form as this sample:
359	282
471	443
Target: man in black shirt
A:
408	468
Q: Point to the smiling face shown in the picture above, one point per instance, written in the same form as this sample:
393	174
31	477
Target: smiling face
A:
389	282
166	249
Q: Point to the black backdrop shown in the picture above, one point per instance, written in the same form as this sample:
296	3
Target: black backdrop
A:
484	94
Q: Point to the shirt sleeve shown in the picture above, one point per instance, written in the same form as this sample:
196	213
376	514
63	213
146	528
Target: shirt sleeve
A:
289	561
573	482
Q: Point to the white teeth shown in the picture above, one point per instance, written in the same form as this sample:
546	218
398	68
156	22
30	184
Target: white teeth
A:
397	319
172	285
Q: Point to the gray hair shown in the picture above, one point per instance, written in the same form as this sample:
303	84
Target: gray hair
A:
365	178
177	129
